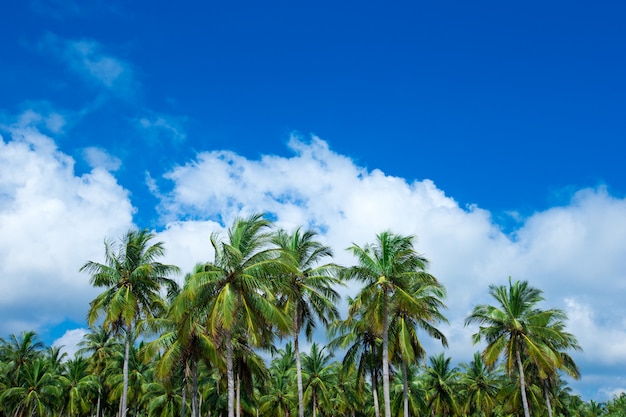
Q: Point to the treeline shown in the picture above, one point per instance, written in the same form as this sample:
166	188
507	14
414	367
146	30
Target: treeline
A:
212	347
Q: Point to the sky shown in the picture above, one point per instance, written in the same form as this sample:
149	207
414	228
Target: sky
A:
494	132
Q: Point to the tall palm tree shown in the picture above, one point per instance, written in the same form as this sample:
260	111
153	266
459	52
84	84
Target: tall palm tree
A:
133	279
236	290
310	295
388	267
182	343
519	330
361	341
419	308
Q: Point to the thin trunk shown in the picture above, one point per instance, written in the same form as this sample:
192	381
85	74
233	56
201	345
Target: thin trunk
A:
546	392
522	381
386	396
195	409
405	387
184	392
296	347
124	401
238	397
98	403
230	377
375	392
314	405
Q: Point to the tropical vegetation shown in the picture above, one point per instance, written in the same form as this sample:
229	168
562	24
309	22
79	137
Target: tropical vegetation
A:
257	331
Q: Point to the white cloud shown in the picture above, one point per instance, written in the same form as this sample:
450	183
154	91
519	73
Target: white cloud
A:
571	252
100	158
51	222
70	340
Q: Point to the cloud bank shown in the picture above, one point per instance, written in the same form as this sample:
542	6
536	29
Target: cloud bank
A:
52	221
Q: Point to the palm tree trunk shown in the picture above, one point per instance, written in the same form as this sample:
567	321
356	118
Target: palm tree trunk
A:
375	392
522	381
547	395
386	396
238	397
230	377
98	403
124	400
184	393
296	347
405	388
195	409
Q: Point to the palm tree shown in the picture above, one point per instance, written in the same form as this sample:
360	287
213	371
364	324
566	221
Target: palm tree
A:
37	394
182	343
309	289
389	267
133	280
518	328
98	346
80	386
18	351
236	290
480	387
319	376
278	400
361	341
418	308
442	386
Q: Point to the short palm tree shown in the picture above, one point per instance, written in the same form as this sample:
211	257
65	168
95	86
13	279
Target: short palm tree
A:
309	288
18	351
442	386
237	290
319	377
479	386
133	279
518	330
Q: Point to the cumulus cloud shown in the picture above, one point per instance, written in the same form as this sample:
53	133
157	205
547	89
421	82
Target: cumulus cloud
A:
572	252
51	222
70	340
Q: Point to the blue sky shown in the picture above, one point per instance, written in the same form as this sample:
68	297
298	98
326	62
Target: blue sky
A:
492	131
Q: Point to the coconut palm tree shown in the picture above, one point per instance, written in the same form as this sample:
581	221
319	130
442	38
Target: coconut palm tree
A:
98	345
319	377
133	279
388	267
361	341
237	290
80	386
417	308
18	351
182	343
442	386
518	330
37	394
310	295
480	387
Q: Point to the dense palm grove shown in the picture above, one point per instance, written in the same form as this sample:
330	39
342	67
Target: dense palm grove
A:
228	342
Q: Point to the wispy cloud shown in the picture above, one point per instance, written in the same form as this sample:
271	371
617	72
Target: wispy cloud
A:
163	126
87	58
